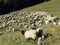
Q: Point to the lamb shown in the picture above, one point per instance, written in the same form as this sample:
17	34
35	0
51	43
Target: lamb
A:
40	39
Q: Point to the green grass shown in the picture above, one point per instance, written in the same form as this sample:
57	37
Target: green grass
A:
52	6
15	38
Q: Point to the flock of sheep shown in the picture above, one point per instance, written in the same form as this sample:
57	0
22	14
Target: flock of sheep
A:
15	20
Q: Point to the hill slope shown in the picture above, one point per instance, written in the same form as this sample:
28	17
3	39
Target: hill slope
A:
15	38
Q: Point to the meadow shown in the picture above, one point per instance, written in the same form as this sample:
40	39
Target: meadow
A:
16	38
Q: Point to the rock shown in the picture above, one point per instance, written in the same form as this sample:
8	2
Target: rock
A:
55	18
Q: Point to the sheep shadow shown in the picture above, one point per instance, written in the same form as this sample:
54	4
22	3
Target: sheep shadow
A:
47	35
17	5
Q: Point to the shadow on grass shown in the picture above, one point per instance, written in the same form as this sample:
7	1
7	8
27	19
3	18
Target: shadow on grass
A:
17	5
47	35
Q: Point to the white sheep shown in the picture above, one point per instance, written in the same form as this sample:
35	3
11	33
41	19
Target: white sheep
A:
32	34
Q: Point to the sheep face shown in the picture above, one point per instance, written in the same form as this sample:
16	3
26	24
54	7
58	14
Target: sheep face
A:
39	34
23	32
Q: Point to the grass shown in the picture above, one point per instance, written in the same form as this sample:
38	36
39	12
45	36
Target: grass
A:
15	38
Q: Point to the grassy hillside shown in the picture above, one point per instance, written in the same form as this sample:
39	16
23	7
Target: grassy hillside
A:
15	38
50	6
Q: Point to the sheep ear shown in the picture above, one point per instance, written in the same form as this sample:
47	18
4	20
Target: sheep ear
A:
23	32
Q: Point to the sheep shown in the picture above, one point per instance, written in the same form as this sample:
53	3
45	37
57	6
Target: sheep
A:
32	34
50	19
3	24
55	18
39	22
39	41
11	21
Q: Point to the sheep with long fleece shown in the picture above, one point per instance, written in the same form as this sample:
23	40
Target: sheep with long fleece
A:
32	34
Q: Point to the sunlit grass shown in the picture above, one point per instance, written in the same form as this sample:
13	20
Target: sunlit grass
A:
16	38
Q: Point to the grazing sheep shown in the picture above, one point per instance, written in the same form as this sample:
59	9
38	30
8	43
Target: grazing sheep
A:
32	34
55	18
40	39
